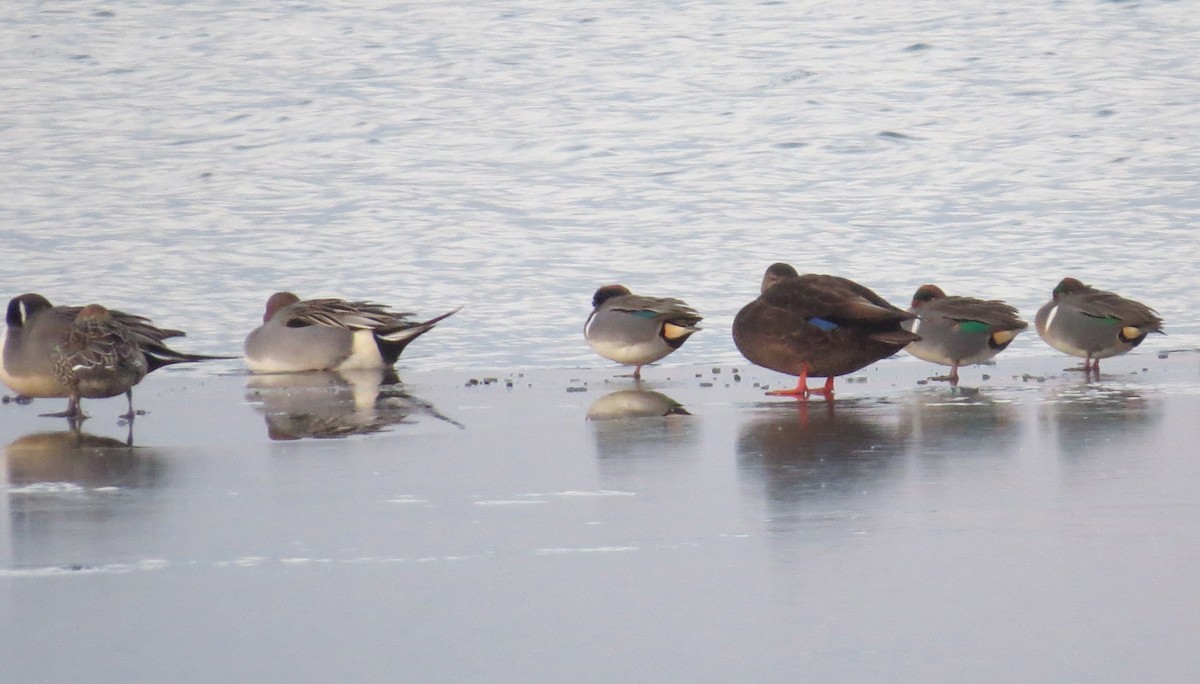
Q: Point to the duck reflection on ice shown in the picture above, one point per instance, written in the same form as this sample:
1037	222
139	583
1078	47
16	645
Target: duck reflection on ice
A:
64	488
629	421
1092	418
817	452
634	404
959	421
80	459
335	404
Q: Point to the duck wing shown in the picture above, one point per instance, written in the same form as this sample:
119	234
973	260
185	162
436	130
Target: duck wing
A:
338	313
667	308
993	313
835	299
1103	304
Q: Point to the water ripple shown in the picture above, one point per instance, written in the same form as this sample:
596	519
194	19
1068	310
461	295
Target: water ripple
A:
435	154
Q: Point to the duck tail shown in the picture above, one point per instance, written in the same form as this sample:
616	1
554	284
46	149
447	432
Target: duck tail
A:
897	337
160	355
410	332
394	341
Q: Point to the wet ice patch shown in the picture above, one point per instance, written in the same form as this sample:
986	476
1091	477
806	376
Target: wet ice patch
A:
47	488
680	545
249	562
147	565
600	492
405	499
243	562
56	571
561	550
509	502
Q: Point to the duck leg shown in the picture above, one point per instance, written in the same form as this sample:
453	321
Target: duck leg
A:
636	374
826	391
129	398
802	390
1085	368
73	411
951	377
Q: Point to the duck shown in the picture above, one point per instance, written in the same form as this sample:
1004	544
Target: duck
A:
636	330
81	352
330	334
1093	324
818	325
959	331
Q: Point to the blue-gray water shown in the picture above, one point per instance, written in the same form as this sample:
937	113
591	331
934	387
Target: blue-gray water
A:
186	160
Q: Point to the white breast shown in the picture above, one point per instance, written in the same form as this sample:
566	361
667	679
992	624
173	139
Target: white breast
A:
364	352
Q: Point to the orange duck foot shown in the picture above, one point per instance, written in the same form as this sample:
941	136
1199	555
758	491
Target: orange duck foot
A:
802	390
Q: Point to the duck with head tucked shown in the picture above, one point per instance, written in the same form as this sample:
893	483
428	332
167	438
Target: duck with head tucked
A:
330	334
636	330
959	331
818	325
81	352
1093	324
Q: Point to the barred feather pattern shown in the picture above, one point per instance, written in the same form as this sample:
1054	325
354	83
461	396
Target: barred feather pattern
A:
337	313
100	351
662	306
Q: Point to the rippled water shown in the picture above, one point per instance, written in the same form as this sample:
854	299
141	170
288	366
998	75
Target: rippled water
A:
185	160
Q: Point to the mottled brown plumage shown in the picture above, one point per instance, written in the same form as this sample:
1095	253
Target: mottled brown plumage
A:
98	358
73	352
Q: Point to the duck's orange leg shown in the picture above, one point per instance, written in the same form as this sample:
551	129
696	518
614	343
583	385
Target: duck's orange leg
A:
802	390
826	391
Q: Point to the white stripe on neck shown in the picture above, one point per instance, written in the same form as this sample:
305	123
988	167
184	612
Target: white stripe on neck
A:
1050	316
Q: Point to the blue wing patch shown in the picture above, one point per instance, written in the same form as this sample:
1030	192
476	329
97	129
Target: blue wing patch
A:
644	313
823	324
